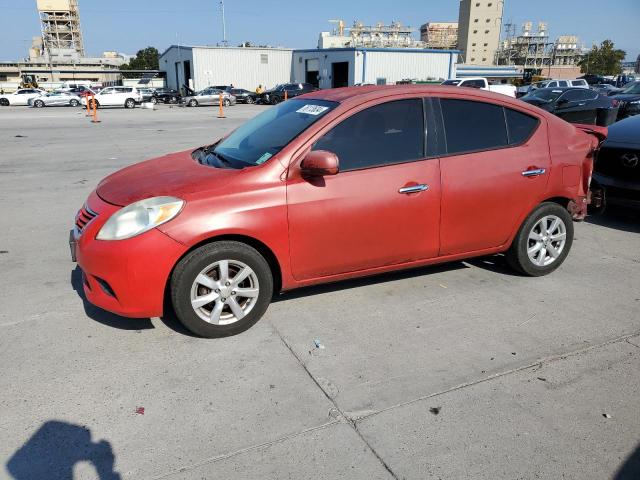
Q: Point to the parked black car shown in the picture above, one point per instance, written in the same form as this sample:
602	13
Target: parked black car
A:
244	96
616	177
605	88
628	100
276	94
575	105
167	95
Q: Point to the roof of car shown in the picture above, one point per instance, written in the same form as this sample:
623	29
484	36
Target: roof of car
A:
366	92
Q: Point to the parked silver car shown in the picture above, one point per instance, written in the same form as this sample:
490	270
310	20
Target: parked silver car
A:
209	96
55	99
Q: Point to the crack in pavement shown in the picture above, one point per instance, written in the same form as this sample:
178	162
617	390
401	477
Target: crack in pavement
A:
342	417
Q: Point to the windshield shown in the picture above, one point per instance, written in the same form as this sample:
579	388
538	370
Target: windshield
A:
450	82
265	135
633	88
547	95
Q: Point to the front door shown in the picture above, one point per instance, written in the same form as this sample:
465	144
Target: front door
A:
382	208
494	171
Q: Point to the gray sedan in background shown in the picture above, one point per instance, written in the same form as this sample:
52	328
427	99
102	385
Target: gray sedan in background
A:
209	96
55	99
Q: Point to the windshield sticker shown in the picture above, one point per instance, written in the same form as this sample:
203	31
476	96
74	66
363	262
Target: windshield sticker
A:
266	156
312	109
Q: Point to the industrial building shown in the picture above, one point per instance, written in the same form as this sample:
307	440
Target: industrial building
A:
245	67
479	24
441	35
394	35
60	27
199	67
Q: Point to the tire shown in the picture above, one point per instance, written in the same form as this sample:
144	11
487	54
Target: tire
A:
173	100
154	100
204	263
226	102
74	103
94	102
547	243
4	102
250	100
193	103
38	103
129	103
274	100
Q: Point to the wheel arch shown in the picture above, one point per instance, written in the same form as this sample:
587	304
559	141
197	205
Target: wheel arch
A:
564	202
262	248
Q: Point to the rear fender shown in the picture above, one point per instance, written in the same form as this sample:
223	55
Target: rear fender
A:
599	135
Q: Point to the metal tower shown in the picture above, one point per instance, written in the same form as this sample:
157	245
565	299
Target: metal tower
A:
60	25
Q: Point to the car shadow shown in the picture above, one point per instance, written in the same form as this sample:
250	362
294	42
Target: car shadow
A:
365	281
55	448
618	218
630	469
102	316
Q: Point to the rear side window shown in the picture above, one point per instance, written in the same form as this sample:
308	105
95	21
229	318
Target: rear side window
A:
471	126
578	83
579	95
385	134
473	83
520	126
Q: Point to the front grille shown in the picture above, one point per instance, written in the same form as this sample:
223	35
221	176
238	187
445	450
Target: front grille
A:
623	164
84	216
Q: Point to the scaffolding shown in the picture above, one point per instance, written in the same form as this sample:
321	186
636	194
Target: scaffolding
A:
379	35
440	35
60	26
534	49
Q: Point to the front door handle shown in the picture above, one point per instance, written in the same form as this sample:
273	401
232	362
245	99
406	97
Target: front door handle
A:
414	188
533	172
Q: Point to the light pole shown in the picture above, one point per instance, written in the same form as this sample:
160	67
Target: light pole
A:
224	25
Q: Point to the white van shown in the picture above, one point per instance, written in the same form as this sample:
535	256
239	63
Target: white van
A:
66	86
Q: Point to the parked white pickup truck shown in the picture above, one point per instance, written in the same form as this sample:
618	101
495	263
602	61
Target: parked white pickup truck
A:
483	84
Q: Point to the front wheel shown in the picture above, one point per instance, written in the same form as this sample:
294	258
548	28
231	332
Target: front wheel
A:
274	100
129	103
543	241
74	103
250	100
4	102
221	289
226	102
38	104
193	103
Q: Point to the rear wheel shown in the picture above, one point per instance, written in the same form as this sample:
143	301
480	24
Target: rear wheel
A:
154	100
226	102
94	104
193	103
221	289
74	103
129	103
543	241
250	100
274	100
38	104
4	102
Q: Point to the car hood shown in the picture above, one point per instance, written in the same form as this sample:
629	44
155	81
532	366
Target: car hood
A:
625	131
626	97
176	175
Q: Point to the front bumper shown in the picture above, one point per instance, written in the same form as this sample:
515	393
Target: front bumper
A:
616	192
126	277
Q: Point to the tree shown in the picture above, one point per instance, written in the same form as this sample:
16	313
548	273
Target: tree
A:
603	60
146	59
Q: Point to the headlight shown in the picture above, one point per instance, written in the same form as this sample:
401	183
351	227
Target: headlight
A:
635	102
139	217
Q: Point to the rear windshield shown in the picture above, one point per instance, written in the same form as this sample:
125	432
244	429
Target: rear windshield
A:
451	82
265	135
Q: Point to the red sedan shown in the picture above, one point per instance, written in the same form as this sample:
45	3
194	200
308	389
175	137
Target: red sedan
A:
333	185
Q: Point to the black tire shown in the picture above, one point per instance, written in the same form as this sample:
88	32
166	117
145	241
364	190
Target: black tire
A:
226	102
38	103
74	103
274	100
94	102
129	103
250	100
517	255
173	100
4	102
154	100
193	103
192	264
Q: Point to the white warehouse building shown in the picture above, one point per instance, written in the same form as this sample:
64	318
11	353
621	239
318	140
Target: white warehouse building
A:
341	67
200	67
244	67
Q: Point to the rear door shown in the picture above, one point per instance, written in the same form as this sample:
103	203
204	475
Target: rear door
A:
382	208
577	106
494	165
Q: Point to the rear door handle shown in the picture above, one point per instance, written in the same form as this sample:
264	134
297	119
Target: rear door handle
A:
533	172
414	188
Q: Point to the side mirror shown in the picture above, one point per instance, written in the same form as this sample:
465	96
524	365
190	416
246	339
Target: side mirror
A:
319	163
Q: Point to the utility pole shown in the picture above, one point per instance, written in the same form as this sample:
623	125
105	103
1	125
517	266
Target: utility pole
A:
224	25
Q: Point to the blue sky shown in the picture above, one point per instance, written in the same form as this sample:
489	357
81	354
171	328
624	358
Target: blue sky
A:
128	25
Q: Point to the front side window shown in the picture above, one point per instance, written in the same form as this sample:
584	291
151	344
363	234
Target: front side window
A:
385	134
578	95
471	126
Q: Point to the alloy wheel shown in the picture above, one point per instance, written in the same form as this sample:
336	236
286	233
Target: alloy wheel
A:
547	239
224	292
